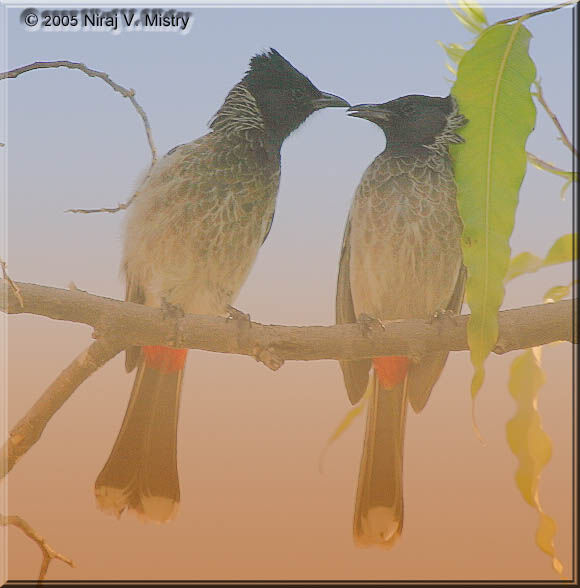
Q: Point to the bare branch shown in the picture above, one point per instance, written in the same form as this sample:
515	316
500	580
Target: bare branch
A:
11	283
126	93
142	325
122	206
539	94
29	429
537	12
271	344
48	553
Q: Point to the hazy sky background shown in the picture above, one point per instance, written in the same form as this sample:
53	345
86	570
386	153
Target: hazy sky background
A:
74	143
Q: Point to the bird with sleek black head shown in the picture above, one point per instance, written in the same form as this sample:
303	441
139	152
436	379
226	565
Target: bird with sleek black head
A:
400	259
191	237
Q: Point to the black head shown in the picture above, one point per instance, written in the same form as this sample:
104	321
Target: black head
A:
415	120
285	97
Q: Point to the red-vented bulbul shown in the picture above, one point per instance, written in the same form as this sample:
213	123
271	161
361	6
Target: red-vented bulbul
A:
191	237
401	258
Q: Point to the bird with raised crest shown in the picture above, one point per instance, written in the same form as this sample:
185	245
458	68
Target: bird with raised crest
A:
191	237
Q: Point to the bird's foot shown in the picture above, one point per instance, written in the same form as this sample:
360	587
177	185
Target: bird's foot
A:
171	311
237	315
443	313
367	323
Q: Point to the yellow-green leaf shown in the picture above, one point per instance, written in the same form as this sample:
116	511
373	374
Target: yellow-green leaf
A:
561	251
530	443
348	419
454	51
474	10
493	92
558	292
524	263
467	22
545	540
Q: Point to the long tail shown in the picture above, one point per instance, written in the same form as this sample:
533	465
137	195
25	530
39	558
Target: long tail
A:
378	518
141	472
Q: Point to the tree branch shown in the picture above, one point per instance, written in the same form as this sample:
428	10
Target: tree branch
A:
141	325
539	94
29	429
272	344
48	553
10	282
536	12
126	93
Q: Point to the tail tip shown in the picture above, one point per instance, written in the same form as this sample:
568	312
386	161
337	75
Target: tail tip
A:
381	527
114	501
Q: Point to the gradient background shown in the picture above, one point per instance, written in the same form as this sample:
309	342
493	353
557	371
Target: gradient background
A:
254	504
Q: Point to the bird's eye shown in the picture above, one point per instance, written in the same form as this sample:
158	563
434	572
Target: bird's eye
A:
408	109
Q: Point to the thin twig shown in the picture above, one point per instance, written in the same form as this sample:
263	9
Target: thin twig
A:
563	137
48	553
122	206
12	284
126	93
536	12
549	167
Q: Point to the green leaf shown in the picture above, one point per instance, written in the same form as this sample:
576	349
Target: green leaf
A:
524	263
530	443
561	251
493	92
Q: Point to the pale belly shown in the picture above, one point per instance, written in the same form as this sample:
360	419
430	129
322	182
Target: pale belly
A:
194	247
403	265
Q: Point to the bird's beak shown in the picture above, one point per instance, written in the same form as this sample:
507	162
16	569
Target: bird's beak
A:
372	112
327	100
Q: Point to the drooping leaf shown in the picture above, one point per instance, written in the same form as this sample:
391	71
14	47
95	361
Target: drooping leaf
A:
347	420
561	251
530	443
493	92
524	263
